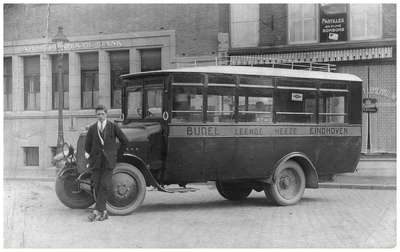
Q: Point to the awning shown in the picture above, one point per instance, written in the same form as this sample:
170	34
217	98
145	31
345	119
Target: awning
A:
319	56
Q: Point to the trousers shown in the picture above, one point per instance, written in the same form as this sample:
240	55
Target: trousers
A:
101	177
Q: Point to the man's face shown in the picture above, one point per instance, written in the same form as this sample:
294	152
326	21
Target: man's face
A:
101	115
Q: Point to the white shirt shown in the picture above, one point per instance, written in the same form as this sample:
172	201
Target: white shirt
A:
99	128
99	124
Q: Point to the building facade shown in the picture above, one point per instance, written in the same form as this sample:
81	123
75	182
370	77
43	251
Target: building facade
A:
107	40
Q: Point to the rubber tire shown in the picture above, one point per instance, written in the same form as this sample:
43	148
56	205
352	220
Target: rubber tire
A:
72	200
233	191
117	203
285	174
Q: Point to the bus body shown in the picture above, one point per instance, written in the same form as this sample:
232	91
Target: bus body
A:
246	128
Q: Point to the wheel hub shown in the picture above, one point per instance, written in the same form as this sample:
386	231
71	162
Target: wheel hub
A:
121	191
285	182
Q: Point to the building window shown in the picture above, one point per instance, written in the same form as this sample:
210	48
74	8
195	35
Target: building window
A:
32	83
31	156
366	21
90	80
303	23
7	89
65	80
151	59
245	25
119	63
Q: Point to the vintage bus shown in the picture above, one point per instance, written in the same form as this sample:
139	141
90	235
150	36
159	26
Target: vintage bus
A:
275	130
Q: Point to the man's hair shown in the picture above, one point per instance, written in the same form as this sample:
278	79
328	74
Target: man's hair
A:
100	107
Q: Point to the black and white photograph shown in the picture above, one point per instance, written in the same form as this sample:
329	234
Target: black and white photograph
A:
204	125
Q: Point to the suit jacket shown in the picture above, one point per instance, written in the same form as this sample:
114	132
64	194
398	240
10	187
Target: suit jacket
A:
95	149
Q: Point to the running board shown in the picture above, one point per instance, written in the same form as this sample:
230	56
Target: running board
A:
178	190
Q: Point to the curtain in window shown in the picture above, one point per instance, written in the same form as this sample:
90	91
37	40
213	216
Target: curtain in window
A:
32	82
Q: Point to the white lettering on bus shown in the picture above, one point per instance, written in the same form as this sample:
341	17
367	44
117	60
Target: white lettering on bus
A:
329	131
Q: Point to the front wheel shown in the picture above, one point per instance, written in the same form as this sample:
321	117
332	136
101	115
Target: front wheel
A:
288	188
233	190
68	191
127	191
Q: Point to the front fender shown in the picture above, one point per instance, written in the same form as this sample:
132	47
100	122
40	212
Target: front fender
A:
309	170
143	168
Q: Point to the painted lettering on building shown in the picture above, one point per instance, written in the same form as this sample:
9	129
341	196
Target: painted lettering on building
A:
73	46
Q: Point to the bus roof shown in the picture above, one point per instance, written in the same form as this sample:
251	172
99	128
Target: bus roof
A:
247	70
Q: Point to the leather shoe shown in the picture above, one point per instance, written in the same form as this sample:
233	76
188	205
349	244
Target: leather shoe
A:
104	216
92	217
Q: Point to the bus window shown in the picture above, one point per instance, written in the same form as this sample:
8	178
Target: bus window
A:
154	101
187	104
295	105
220	98
221	104
187	98
153	88
333	105
255	104
134	101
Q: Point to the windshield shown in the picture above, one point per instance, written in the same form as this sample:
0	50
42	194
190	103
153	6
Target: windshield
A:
146	92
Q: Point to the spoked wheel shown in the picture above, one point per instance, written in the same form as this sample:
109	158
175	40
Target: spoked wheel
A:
127	191
289	185
233	190
68	192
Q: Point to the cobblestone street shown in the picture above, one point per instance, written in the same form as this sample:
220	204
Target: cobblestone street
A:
324	218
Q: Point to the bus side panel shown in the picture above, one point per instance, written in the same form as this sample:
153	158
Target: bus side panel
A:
185	156
219	158
254	157
338	154
286	145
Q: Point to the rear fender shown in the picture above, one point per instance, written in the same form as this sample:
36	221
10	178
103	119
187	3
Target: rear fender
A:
143	168
309	170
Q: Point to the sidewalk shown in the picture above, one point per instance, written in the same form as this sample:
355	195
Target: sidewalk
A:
356	181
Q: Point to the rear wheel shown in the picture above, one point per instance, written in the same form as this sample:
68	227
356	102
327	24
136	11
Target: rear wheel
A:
233	190
68	191
288	188
127	191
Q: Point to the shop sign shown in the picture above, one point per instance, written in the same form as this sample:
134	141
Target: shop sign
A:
333	22
369	105
73	46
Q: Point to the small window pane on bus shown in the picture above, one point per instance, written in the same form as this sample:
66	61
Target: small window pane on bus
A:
187	79
256	81
154	102
255	105
187	104
134	102
333	107
295	106
221	79
221	103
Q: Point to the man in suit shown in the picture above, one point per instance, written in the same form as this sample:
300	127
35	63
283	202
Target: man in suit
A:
102	149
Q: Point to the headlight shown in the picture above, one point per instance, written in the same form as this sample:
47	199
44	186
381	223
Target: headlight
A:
67	150
60	156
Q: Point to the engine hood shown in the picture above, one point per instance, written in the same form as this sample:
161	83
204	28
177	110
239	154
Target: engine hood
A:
139	132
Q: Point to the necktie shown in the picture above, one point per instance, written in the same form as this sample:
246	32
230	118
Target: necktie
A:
101	127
